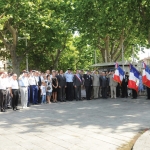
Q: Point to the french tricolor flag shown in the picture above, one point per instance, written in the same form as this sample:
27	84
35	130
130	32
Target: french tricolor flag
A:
146	75
119	74
133	82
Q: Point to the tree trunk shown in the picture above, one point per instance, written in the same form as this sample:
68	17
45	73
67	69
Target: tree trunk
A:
15	61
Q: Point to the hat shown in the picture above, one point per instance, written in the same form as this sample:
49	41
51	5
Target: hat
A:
69	68
33	70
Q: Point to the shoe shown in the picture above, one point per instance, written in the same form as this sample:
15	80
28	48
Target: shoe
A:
1	109
14	109
4	110
17	108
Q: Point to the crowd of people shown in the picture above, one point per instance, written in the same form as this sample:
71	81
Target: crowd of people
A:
35	87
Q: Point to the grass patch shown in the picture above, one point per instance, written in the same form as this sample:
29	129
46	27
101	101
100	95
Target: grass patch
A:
130	144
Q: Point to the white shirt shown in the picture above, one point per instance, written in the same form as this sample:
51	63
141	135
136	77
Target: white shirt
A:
3	84
32	80
69	76
23	81
43	90
37	79
14	84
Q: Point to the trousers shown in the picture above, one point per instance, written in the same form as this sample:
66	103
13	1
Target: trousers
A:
24	96
61	93
113	91
88	92
96	91
2	98
69	95
15	98
34	93
78	93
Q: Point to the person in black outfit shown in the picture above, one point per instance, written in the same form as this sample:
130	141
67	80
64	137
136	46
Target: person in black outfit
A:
61	86
54	85
134	94
88	83
104	83
77	82
124	86
148	93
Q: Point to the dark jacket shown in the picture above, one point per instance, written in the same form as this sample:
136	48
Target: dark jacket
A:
104	81
61	80
125	80
87	80
77	81
39	82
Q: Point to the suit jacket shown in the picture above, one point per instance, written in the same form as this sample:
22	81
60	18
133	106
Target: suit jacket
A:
96	81
87	80
39	82
125	80
104	82
61	80
112	82
76	81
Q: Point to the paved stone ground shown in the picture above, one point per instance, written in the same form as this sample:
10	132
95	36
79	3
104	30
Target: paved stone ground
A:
84	125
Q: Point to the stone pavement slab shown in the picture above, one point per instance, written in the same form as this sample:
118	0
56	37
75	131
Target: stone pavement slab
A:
83	125
143	142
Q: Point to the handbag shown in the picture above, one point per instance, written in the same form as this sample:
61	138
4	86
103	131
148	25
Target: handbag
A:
48	88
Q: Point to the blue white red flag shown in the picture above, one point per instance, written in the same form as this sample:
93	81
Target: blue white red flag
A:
119	74
133	82
146	75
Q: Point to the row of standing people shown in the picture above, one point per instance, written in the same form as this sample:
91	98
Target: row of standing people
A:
38	88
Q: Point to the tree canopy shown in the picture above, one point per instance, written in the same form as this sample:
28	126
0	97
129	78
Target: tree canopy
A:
44	30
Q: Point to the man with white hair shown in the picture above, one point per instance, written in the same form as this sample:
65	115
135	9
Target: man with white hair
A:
113	84
23	83
14	92
96	83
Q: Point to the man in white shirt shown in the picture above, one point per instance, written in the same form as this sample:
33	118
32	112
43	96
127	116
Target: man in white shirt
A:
2	92
23	83
14	92
33	88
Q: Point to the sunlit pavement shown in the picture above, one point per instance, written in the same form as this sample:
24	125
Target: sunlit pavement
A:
79	125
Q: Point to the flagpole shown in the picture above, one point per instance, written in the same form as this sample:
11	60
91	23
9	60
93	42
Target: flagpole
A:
122	56
133	55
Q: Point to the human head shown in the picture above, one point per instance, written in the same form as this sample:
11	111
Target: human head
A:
47	71
61	72
69	70
103	73
14	76
54	73
77	71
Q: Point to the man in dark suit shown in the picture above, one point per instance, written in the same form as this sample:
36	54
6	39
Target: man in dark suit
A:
61	86
124	86
88	83
77	82
104	83
148	93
